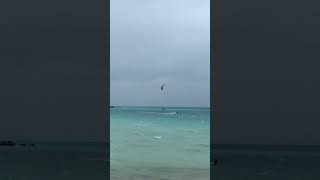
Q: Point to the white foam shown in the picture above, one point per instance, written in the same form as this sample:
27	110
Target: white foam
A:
169	113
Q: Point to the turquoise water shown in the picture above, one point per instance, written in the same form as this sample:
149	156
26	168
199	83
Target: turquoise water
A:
148	143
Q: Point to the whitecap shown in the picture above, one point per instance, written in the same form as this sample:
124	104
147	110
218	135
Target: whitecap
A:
168	113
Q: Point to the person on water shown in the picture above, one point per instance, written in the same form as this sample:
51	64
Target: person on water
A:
162	109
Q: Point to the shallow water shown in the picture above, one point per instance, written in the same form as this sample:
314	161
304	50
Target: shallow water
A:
147	143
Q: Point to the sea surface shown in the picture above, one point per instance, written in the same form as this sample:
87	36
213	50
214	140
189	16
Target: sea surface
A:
148	143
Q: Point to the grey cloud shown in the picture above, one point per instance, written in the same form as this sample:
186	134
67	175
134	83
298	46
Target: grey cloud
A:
160	41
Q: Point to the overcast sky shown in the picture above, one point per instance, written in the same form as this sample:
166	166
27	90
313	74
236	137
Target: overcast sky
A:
155	42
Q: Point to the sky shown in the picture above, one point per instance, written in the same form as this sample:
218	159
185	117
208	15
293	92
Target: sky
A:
154	42
54	77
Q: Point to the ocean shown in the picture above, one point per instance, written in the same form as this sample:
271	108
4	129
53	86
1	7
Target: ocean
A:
147	143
